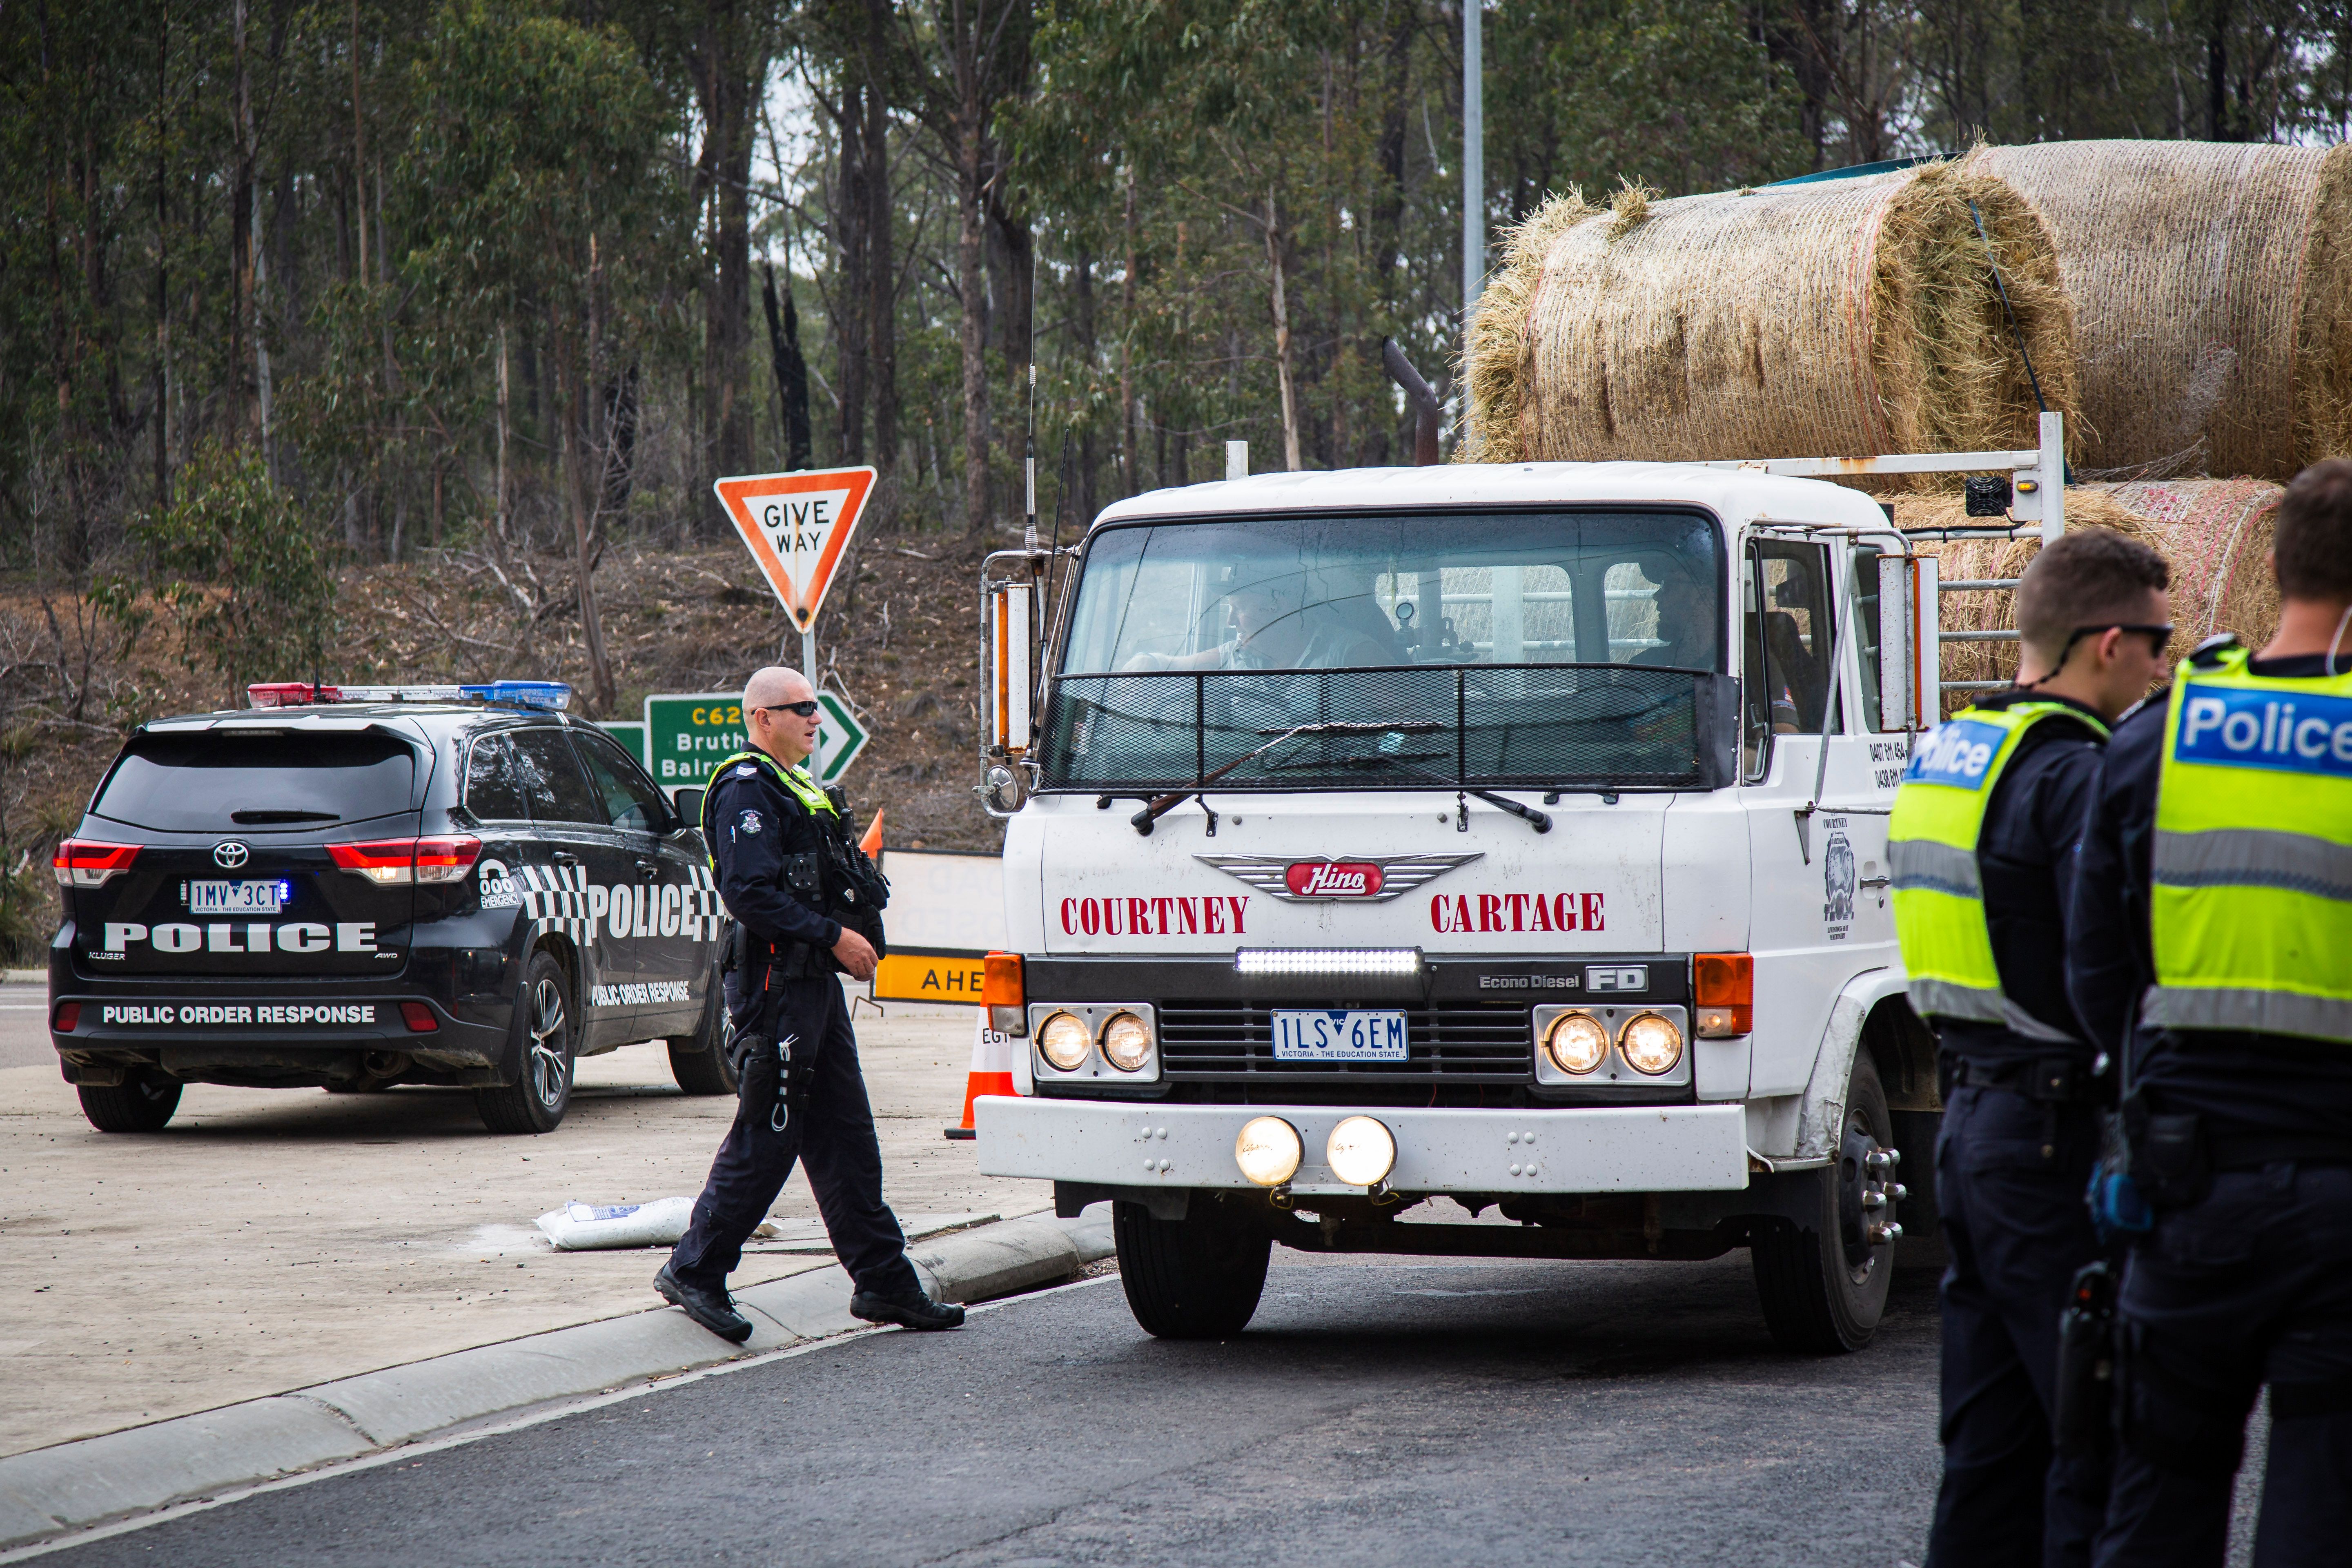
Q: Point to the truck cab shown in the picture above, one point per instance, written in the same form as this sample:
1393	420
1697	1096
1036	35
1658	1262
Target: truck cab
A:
1467	860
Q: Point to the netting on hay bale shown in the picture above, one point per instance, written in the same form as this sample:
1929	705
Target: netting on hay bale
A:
2211	292
2215	532
1841	318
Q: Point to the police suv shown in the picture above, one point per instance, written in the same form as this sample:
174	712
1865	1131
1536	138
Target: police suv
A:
353	888
1473	860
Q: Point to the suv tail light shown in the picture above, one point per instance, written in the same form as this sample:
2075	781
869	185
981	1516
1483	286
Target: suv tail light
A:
87	863
1723	985
1002	992
390	862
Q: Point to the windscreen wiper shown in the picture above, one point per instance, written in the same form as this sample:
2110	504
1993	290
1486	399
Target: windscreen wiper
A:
1161	805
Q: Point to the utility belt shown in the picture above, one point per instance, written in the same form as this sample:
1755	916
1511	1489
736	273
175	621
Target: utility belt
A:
2174	1156
2055	1080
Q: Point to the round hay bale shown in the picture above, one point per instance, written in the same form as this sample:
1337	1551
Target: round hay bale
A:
1841	318
2211	289
2215	532
1495	345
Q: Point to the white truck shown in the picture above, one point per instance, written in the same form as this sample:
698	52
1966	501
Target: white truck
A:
1511	835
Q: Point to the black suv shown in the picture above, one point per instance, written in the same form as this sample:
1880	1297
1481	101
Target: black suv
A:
359	895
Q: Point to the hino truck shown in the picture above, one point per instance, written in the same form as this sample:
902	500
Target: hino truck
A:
1474	860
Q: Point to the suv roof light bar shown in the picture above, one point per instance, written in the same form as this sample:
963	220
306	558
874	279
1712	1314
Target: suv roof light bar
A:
549	694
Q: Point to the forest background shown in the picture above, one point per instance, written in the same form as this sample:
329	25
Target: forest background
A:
325	324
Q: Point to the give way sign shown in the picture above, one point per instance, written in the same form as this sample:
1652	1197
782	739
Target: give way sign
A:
796	527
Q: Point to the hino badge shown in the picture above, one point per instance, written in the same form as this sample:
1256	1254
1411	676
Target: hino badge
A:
1471	860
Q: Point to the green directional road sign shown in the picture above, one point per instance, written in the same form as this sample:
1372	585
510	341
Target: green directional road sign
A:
689	734
838	744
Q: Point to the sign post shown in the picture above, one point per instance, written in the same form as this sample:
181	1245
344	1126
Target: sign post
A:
797	527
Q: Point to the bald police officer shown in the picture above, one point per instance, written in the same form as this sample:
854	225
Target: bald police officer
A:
1982	844
2211	935
781	846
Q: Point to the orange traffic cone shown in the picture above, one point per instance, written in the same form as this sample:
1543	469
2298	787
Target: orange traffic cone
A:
991	1070
871	844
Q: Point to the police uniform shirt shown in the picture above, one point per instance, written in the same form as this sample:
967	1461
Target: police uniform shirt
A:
2025	856
756	825
2240	1082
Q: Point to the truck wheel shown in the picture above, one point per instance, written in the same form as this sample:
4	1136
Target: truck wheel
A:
1194	1279
536	1102
142	1103
1824	1285
699	1061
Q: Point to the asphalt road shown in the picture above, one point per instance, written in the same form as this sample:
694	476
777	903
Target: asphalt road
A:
24	1027
1376	1412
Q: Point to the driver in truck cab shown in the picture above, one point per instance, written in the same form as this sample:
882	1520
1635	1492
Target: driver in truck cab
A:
1982	844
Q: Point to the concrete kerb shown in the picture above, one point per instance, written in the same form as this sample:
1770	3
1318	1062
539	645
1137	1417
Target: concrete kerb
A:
72	1485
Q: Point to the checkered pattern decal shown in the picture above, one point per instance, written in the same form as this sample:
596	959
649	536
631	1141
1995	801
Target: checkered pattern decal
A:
555	898
702	910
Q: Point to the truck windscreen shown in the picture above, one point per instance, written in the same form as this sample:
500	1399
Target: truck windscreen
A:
1392	651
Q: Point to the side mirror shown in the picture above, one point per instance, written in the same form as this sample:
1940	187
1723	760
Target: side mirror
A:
687	801
1910	644
1006	668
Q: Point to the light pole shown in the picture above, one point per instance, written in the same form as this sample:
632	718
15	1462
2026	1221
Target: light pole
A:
1473	167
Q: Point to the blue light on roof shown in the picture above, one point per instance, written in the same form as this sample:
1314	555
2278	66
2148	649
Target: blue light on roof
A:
552	694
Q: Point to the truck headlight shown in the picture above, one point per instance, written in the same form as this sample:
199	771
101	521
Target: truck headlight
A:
1268	1151
1651	1044
1063	1040
1361	1152
1126	1042
1577	1042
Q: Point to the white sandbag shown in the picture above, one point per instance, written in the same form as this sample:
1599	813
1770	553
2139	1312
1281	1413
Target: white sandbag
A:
579	1227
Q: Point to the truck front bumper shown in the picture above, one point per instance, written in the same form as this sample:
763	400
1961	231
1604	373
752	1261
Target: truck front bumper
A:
1587	1149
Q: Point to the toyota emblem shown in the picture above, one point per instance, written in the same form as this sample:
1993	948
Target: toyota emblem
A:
230	854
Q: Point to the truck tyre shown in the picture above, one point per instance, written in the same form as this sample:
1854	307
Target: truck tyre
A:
142	1103
699	1061
1194	1279
537	1100
1824	1285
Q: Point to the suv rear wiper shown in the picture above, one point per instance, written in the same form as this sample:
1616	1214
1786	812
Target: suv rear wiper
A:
257	819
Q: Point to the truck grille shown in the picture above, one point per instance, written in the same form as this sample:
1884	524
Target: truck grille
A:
1459	1043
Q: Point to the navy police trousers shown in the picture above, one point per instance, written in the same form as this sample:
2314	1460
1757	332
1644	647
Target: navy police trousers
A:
2010	1178
2250	1286
833	1134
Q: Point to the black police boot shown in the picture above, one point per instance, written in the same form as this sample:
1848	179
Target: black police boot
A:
711	1308
915	1311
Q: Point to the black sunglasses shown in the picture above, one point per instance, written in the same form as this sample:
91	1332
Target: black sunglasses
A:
2158	637
805	710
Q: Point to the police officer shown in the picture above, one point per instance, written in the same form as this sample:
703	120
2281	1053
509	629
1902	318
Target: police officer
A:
767	825
2212	928
1980	841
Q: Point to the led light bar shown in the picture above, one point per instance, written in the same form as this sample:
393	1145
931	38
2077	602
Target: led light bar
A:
550	694
1262	962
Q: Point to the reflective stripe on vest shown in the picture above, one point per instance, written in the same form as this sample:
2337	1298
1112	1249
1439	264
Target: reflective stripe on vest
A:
2250	911
802	789
1931	849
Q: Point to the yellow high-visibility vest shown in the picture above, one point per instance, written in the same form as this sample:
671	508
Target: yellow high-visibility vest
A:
2251	907
1939	888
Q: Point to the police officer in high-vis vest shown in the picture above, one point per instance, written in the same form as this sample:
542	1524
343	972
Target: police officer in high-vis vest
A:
771	831
1981	847
2212	930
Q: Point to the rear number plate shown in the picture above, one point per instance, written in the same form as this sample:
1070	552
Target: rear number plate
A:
1340	1038
235	898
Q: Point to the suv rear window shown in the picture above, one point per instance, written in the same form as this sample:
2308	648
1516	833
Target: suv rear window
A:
224	778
